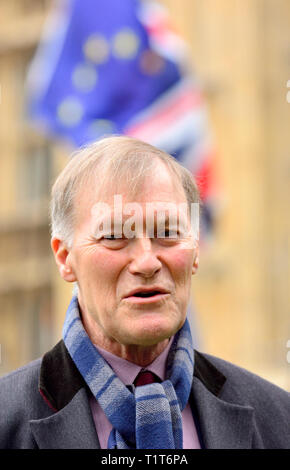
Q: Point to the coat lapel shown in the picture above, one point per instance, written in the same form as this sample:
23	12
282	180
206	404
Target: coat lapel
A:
65	392
223	425
70	428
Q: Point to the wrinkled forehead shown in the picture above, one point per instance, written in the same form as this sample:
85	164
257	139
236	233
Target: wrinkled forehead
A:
155	184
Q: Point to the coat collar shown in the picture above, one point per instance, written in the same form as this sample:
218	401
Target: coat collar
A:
222	424
60	379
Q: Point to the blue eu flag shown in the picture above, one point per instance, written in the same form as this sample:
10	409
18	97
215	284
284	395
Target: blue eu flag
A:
95	69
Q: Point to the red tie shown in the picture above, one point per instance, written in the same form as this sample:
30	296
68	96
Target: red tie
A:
145	377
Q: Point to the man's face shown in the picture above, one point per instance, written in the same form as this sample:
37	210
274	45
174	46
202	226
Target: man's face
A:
135	290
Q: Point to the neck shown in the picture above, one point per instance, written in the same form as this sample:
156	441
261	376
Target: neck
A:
140	355
135	353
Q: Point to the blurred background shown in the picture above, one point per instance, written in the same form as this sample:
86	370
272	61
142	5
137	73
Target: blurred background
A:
239	51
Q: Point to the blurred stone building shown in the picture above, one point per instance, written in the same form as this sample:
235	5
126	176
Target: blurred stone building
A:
27	287
241	52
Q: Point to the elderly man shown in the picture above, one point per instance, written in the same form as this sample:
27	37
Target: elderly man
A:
125	375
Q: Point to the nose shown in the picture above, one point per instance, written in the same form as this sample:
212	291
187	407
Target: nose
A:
144	259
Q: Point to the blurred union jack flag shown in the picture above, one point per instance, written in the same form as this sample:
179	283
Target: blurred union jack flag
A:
117	67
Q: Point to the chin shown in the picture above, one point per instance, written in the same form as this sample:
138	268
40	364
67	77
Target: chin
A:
154	331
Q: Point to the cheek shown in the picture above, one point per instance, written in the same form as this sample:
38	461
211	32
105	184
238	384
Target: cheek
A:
181	268
110	261
102	268
182	261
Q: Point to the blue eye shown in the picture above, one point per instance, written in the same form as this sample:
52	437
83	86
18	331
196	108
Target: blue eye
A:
168	234
114	237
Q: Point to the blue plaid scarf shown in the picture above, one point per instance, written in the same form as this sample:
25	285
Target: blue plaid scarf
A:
149	417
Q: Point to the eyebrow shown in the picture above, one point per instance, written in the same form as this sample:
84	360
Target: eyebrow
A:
151	221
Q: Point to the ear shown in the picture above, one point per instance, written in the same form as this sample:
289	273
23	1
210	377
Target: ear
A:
195	261
62	258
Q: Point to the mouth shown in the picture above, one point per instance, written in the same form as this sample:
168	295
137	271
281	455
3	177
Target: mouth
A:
147	295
